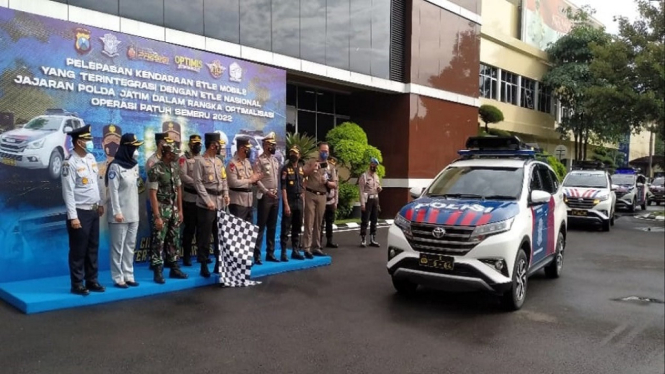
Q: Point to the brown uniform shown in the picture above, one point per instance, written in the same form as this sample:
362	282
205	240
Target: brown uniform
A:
268	206
240	188
315	206
189	196
369	186
211	185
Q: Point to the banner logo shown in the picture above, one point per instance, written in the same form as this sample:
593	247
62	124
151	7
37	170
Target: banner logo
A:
186	63
146	54
82	41
110	45
235	72
216	69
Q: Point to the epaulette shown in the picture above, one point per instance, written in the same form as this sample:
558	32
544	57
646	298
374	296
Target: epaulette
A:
68	157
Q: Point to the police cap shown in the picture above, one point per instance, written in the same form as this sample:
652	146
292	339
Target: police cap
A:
130	139
211	137
270	139
111	130
244	142
81	133
194	139
162	136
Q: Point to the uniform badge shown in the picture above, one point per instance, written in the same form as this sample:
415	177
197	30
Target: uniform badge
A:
210	177
65	170
291	183
84	181
223	173
111	174
232	166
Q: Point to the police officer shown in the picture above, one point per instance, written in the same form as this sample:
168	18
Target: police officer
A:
110	142
187	162
83	197
369	186
268	204
213	195
122	180
166	202
160	140
173	131
241	177
292	176
331	207
318	173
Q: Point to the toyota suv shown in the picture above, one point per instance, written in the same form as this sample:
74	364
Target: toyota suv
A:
487	222
657	188
630	188
589	195
41	143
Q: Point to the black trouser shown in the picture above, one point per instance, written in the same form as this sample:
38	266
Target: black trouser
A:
242	212
267	219
292	223
190	211
328	220
84	247
371	214
206	224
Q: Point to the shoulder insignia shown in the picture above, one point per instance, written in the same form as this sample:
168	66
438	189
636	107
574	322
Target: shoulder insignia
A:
65	169
68	157
223	172
112	174
182	161
232	166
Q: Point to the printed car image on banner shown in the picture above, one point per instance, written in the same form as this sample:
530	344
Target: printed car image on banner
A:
544	21
58	75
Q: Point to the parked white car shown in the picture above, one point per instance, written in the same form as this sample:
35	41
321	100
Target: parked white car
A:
589	197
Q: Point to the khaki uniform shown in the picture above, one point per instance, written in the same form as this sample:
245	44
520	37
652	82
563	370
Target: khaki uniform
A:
211	185
189	196
268	207
369	186
187	163
240	189
315	207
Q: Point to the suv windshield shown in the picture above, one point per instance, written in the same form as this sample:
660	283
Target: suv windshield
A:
658	182
585	180
44	123
623	179
478	183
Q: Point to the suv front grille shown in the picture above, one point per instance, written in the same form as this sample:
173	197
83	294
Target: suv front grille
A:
12	147
580	203
456	241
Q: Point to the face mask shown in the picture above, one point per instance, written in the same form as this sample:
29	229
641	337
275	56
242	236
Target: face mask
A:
248	153
372	168
89	146
135	155
323	155
293	158
196	148
111	149
272	150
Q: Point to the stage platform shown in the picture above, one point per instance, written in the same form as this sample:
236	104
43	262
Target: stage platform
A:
47	294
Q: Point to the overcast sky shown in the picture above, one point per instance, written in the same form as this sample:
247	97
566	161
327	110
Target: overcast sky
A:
607	9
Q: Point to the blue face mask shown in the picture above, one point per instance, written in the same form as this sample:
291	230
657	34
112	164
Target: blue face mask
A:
323	155
89	146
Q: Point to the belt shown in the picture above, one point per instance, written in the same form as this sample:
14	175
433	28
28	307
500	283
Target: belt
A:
191	190
241	189
214	193
294	195
88	207
316	192
372	196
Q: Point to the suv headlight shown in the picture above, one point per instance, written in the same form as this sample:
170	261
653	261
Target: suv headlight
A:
481	232
36	144
601	198
404	225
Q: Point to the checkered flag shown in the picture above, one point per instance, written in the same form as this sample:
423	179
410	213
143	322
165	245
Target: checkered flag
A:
237	238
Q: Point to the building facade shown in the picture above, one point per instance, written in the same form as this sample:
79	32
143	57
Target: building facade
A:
405	70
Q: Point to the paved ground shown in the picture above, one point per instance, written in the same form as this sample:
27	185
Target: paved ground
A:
346	318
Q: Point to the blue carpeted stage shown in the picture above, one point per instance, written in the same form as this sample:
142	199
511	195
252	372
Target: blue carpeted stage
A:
47	294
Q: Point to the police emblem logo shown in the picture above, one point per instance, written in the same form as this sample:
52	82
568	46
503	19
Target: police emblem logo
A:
82	41
84	181
235	72
110	45
112	174
131	52
216	69
111	129
65	169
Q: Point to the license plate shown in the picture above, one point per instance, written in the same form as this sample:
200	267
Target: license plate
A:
436	261
579	213
9	161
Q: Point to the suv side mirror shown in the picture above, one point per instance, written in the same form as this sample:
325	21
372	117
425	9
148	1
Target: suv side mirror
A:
415	192
67	129
540	197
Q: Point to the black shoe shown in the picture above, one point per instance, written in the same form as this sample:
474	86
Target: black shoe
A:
308	255
363	242
120	285
257	261
208	261
216	269
331	245
295	255
80	290
186	261
177	273
94	286
318	252
283	257
373	242
132	284
271	258
205	273
158	276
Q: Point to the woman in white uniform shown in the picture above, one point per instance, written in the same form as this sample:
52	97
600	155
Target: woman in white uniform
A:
122	180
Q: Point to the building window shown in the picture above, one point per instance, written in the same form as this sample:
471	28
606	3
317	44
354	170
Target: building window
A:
488	81
318	111
545	100
509	87
527	90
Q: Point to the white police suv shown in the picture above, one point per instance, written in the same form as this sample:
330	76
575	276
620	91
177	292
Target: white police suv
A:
630	188
487	222
589	195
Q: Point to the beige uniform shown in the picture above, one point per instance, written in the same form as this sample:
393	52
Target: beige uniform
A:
368	184
239	173
187	176
315	206
269	166
210	181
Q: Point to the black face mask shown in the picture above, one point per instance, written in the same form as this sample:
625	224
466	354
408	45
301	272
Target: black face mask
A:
293	158
218	149
111	149
372	168
196	148
248	153
272	150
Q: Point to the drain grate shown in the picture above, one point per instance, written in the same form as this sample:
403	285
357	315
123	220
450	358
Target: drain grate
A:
652	229
639	300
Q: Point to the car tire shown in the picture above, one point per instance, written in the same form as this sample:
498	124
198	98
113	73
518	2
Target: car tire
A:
553	270
513	299
606	225
643	206
55	164
612	219
633	207
404	286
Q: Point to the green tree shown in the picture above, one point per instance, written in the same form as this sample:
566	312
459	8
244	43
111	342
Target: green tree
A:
559	168
305	143
490	114
572	83
350	147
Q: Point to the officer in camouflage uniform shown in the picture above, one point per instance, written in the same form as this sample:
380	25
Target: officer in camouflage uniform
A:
166	202
160	140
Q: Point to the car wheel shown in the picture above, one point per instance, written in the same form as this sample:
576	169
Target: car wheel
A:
513	299
606	225
643	206
612	219
55	164
404	286
658	203
553	270
632	206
